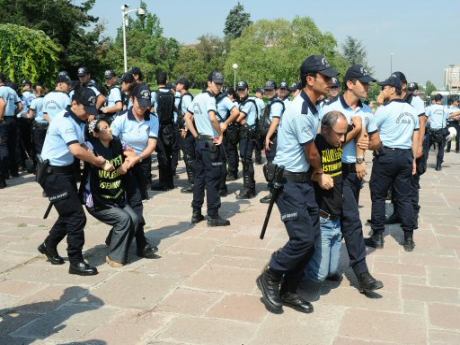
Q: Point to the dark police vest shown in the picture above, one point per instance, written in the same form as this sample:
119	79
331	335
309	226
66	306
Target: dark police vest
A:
265	122
165	107
180	115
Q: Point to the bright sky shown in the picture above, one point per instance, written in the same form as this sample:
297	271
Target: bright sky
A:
420	37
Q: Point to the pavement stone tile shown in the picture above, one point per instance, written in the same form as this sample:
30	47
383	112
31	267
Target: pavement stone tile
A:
20	288
193	246
439	337
354	341
430	294
441	276
400	269
188	302
231	306
444	316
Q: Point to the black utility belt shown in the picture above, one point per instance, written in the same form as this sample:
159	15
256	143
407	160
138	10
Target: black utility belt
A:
395	149
328	216
68	169
41	124
297	177
348	168
203	137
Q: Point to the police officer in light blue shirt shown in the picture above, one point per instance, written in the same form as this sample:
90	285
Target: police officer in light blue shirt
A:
65	141
394	162
58	100
454	114
13	106
248	135
113	102
202	122
84	79
40	125
27	97
437	119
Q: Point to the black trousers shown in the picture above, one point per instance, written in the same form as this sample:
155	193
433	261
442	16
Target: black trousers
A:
207	171
71	220
165	147
12	143
231	140
175	151
187	146
3	151
247	145
456	125
38	137
270	154
393	167
300	214
25	140
437	136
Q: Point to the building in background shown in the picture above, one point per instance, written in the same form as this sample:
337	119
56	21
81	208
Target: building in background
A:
452	79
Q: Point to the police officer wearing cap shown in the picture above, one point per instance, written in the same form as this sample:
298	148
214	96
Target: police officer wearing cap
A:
138	129
394	162
127	84
137	74
57	100
248	136
9	121
39	125
356	82
270	121
113	102
227	114
63	143
84	79
454	116
334	91
260	141
283	92
202	122
297	153
437	117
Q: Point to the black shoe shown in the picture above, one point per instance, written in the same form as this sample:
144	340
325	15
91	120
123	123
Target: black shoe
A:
2	184
148	252
296	302
266	199
269	284
82	269
187	189
246	194
51	254
160	187
393	219
408	243
231	177
375	241
223	192
368	283
438	167
218	221
337	277
197	217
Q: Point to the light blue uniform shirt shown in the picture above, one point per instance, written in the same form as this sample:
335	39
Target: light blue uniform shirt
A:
186	101
11	99
418	105
260	105
113	97
176	105
250	110
276	108
94	88
201	106
37	106
27	98
437	115
64	130
55	102
135	133
298	126
397	121
367	119
224	108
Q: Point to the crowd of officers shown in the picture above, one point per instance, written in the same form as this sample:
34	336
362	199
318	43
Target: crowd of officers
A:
314	138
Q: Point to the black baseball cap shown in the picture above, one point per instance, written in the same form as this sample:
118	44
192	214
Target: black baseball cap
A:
127	77
87	97
412	86
136	70
109	74
317	64
437	97
184	81
284	85
142	93
358	72
392	81
82	71
259	90
63	78
334	82
400	76
216	77
242	85
270	85
296	86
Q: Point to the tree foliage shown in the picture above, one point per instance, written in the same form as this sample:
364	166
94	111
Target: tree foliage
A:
430	88
355	53
237	20
27	54
274	49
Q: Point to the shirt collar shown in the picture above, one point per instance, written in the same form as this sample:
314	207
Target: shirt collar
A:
133	118
307	104
397	100
74	117
345	104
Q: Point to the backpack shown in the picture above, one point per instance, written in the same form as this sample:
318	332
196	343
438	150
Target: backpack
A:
180	115
265	122
165	107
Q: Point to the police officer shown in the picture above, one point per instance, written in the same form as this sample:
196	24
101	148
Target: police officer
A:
356	83
334	91
260	141
437	115
186	140
84	79
209	151
227	114
454	112
64	141
58	100
283	92
137	74
40	125
127	85
163	105
3	145
394	162
13	105
270	120
248	135
114	102
296	152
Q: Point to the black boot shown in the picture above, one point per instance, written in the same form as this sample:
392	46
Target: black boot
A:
375	241
368	283
217	221
438	167
408	243
248	190
190	176
187	189
148	252
197	217
269	283
82	268
296	302
51	254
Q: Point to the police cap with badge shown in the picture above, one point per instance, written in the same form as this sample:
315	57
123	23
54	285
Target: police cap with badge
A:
359	72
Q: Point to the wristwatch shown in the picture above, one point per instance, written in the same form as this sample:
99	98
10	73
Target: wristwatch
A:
360	160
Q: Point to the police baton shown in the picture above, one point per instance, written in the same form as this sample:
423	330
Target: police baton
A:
48	210
277	188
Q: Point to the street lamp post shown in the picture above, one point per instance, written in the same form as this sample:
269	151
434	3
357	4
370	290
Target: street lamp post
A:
235	67
391	62
124	13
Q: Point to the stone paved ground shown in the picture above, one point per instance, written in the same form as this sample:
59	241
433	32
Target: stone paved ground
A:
202	290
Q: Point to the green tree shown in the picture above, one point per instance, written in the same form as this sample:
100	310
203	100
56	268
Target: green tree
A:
27	54
274	49
429	88
355	53
237	20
